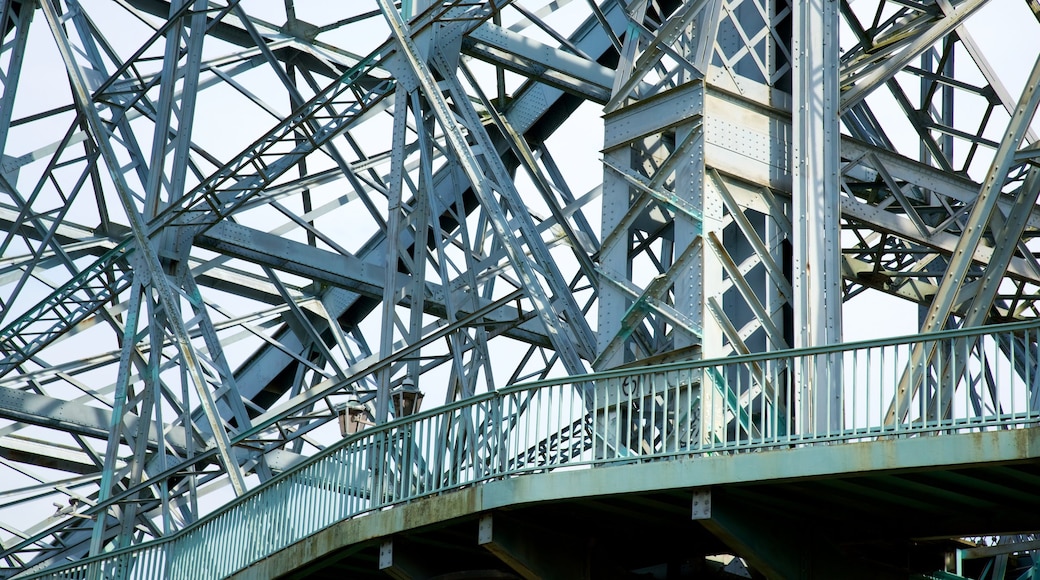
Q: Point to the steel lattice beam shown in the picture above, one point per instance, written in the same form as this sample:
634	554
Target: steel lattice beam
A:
220	222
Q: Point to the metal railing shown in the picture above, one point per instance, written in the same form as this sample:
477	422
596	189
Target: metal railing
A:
946	383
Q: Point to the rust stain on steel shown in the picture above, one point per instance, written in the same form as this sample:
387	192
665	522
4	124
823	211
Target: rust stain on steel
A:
924	452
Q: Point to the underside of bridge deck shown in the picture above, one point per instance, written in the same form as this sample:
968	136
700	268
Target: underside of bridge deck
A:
641	521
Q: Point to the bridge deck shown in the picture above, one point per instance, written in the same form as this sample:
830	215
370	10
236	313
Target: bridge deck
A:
936	438
879	504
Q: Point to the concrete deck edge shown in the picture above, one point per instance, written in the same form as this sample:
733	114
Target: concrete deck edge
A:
892	455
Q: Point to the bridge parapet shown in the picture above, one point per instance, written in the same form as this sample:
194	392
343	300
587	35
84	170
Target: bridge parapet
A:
936	385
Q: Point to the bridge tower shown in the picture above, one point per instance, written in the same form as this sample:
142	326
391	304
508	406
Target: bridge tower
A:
234	232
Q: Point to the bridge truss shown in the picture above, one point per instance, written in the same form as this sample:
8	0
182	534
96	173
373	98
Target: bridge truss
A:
231	226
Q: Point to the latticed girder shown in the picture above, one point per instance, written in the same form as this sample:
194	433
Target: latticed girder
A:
224	225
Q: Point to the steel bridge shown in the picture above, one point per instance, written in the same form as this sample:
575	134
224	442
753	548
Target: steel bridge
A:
529	470
519	288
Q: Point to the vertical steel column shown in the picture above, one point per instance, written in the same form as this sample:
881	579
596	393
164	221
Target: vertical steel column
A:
9	77
119	400
170	107
564	323
149	259
394	225
815	166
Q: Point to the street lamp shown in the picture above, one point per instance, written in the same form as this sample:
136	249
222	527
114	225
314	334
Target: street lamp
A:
406	398
353	417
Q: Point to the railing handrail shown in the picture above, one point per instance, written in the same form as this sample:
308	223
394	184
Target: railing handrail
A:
775	354
390	426
619	373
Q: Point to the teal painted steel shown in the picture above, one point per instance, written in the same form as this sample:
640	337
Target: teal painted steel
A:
549	425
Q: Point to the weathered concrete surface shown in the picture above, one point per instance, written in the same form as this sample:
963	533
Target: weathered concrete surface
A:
926	452
370	526
897	455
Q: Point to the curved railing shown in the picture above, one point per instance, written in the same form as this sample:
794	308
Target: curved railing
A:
953	382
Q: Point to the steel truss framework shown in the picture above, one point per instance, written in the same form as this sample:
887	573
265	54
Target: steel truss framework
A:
228	223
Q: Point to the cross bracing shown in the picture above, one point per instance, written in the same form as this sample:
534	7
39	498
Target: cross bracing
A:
225	221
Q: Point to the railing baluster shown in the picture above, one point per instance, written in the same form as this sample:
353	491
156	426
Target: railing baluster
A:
677	409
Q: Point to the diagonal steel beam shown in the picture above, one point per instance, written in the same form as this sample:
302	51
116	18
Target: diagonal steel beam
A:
948	296
857	86
19	16
567	341
157	276
219	195
985	207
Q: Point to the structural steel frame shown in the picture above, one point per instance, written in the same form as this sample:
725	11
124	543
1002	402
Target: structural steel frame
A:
224	224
